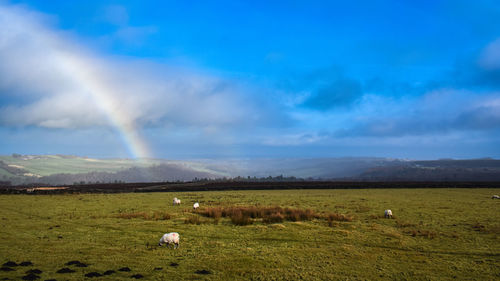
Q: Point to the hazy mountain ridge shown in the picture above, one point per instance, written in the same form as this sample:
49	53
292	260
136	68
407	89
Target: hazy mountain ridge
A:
66	169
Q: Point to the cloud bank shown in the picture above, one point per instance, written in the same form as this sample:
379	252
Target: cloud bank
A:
48	79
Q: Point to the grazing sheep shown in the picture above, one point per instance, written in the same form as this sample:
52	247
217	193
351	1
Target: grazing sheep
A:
196	205
495	197
177	201
170	238
388	214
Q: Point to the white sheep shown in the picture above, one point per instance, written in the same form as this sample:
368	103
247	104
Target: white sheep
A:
196	205
388	214
495	197
170	238
177	201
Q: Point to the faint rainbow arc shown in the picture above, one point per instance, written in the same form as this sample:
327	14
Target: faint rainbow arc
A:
105	97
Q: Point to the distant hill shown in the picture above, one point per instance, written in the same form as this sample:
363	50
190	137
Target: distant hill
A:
66	169
436	170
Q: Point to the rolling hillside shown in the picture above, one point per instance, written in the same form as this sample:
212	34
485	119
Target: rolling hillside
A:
64	169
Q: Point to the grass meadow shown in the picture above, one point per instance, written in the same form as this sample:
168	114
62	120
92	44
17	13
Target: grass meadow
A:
436	234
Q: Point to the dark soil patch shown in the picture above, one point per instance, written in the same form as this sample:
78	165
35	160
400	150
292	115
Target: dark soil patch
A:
26	263
108	272
203	271
158	268
6	269
31	276
76	263
174	264
35	271
124	269
93	274
50	280
65	270
10	264
137	276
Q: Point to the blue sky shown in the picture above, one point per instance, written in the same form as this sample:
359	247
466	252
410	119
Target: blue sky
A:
243	79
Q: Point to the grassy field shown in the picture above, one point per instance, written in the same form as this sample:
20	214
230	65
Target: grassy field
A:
437	234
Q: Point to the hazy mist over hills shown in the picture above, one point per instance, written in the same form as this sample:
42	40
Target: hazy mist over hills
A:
64	169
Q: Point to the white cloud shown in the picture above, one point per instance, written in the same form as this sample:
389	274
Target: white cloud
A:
49	80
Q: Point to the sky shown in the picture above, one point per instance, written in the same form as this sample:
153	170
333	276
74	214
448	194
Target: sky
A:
250	79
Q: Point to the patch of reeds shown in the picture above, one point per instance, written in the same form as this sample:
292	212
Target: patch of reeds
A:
243	215
193	220
240	218
274	218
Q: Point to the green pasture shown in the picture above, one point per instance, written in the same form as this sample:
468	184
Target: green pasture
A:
437	234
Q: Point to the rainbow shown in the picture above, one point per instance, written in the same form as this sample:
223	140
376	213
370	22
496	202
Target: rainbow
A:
82	72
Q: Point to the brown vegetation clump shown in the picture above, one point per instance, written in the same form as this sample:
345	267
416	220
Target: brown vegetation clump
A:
192	220
215	212
273	218
239	218
339	217
242	215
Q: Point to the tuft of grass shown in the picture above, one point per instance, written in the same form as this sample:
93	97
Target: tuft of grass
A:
274	218
239	218
331	218
215	212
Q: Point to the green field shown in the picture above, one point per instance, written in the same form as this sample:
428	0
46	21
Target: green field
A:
437	234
